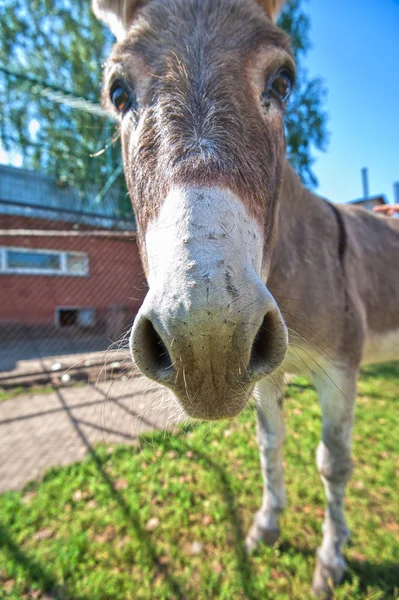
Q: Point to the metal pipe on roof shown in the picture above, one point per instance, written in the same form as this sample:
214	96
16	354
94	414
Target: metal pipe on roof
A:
365	181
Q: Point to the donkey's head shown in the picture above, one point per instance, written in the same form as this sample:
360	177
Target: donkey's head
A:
200	87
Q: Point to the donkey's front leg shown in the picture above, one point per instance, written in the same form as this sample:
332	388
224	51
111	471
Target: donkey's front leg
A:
337	398
270	434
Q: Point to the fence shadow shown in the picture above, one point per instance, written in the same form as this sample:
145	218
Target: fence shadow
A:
131	519
42	574
37	573
384	576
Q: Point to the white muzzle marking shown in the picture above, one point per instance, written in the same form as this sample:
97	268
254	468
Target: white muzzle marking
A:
206	302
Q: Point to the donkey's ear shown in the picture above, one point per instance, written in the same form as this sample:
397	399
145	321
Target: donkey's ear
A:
117	14
272	8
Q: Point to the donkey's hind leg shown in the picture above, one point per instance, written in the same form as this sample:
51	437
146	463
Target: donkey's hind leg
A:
337	398
270	435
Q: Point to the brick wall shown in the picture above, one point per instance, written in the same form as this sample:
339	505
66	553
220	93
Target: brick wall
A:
115	275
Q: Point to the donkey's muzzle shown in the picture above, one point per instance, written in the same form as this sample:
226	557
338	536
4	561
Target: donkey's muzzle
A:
209	329
210	357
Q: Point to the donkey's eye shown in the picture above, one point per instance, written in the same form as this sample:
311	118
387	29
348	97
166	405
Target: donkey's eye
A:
121	98
281	86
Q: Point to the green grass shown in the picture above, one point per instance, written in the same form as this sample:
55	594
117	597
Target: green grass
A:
82	532
33	390
20	390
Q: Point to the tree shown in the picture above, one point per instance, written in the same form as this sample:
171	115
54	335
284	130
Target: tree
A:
305	117
61	43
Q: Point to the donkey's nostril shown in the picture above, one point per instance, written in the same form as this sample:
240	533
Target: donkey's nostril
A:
261	348
159	352
269	346
150	352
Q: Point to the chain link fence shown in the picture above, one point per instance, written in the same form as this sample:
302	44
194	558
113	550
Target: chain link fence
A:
71	280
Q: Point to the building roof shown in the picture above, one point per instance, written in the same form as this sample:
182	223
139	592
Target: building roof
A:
33	194
369	202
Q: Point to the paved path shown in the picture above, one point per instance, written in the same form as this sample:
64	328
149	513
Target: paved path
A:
39	431
31	353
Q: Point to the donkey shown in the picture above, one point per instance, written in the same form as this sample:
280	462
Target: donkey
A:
250	275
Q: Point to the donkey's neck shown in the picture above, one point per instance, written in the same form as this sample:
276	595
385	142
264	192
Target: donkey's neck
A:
305	222
306	270
330	273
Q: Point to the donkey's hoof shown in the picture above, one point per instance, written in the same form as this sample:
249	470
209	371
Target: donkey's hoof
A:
258	534
325	579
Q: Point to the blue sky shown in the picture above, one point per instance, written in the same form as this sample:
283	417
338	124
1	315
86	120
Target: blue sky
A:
356	50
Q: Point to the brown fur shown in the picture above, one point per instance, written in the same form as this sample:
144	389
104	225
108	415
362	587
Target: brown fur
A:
198	68
119	14
358	291
193	92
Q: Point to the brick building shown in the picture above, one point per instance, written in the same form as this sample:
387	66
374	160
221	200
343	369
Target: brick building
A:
64	265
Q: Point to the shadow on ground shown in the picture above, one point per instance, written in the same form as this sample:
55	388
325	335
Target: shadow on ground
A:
47	581
384	576
30	345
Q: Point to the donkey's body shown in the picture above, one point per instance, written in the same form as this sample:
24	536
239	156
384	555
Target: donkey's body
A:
335	274
336	271
226	229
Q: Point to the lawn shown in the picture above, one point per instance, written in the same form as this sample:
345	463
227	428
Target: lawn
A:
21	390
166	518
33	390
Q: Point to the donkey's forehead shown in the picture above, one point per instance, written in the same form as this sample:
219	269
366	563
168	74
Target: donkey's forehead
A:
164	27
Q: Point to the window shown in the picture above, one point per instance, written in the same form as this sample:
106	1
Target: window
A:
17	259
43	262
76	263
67	316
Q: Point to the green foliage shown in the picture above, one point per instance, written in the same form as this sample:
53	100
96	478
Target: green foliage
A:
305	116
167	518
61	43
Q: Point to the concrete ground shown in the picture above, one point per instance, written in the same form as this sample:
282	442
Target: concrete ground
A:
31	353
44	430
